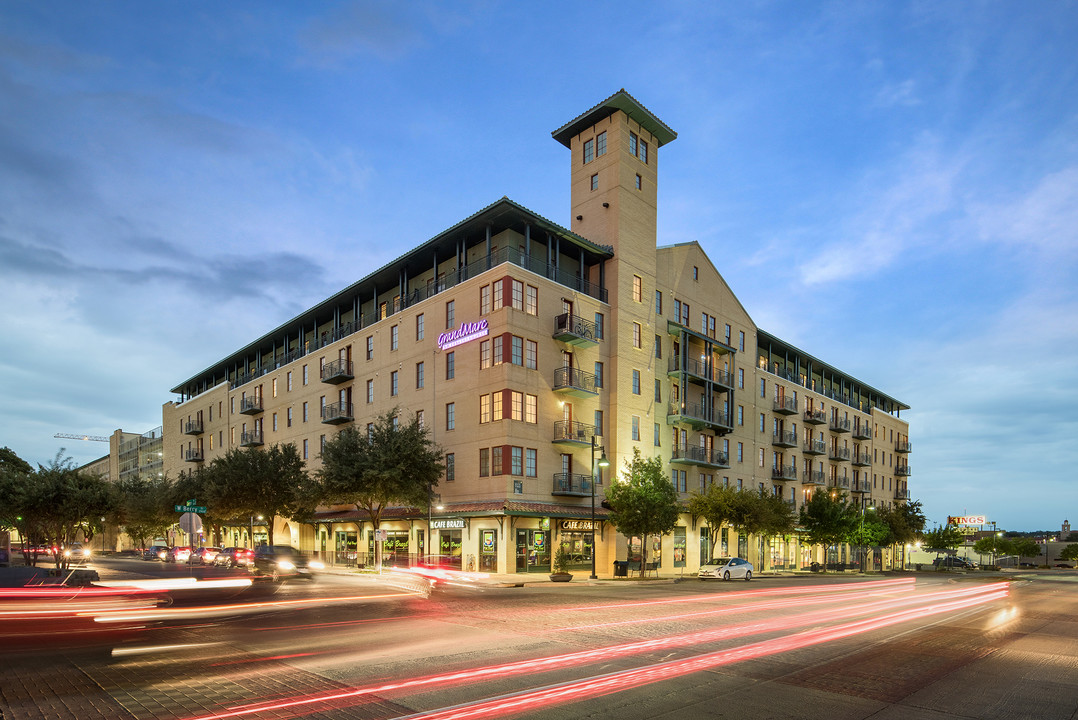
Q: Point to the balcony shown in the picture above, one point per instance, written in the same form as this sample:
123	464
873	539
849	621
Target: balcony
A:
572	484
861	459
250	438
337	413
813	477
814	447
839	483
571	381
192	427
251	405
575	330
784	472
862	431
902	470
568	432
840	425
700	456
839	454
337	372
903	446
698	416
193	455
785	406
861	486
699	372
815	417
786	439
902	493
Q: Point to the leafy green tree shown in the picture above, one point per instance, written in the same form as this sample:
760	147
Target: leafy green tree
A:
644	502
145	508
1069	553
714	506
1025	547
829	519
397	464
994	545
943	538
16	496
763	515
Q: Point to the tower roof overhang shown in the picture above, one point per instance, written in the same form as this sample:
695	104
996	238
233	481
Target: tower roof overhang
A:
629	105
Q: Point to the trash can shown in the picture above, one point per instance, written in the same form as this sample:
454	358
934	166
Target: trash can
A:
621	568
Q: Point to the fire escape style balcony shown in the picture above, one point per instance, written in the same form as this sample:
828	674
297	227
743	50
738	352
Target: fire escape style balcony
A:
839	454
840	483
786	439
785	406
193	455
861	459
902	470
813	477
698	416
574	484
814	447
699	372
569	432
337	413
337	372
862	431
784	472
700	456
840	425
571	381
903	446
251	405
902	492
575	330
192	427
815	417
861	486
250	438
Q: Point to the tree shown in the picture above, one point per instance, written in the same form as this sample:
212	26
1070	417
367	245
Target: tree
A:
1069	553
145	508
943	538
829	519
715	506
1025	547
15	514
396	464
994	545
762	515
644	502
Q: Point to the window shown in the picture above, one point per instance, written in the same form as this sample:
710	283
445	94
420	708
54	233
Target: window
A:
484	354
658	302
394	378
740	452
517	405
680	478
761	457
531	356
632	144
516	461
599	423
530	465
274	422
741	378
517	344
598	374
695	273
321	443
636	335
741	340
531	409
419	372
636	382
396	423
450	312
304	374
531	300
370	348
306	449
763	387
306	413
496	406
484	462
273	385
658	347
741	415
484	409
595	181
496	467
419	326
394	335
763	421
370	391
420	418
643	154
288	385
636	428
450	365
658	391
450	416
658	434
450	467
518	294
288	417
637	181
600	144
599	326
638	289
589	151
484	300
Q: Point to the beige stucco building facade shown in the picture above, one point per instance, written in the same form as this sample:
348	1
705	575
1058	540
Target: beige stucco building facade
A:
522	343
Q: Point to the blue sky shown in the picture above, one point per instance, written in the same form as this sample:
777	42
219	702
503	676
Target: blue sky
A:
893	187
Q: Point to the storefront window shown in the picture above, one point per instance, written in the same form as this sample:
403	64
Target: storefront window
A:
679	547
533	551
346	545
449	548
488	551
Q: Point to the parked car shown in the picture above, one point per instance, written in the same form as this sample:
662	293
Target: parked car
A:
281	562
178	554
76	551
1027	565
157	552
203	556
233	556
1066	566
726	568
953	561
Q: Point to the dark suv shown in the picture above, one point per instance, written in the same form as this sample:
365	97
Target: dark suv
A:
953	561
281	562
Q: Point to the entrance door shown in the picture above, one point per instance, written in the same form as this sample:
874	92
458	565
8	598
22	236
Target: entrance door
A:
533	551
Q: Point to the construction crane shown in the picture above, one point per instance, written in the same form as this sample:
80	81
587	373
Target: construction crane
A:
95	438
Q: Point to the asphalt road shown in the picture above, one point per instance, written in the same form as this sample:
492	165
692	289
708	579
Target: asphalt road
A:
920	647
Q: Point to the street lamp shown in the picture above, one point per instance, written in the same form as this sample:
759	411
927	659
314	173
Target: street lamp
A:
861	535
603	462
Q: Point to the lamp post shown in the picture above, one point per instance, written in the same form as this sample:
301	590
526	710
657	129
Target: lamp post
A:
603	462
861	535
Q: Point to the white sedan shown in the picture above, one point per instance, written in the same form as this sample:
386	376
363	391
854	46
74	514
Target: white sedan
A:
726	568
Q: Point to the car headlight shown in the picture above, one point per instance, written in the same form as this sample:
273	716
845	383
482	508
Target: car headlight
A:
315	564
67	553
286	565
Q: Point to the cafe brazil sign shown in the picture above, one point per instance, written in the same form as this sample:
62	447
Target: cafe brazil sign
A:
576	525
447	524
465	333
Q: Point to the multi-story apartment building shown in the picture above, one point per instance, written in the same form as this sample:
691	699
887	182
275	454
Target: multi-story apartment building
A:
522	344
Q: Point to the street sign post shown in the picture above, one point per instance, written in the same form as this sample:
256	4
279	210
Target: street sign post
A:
201	509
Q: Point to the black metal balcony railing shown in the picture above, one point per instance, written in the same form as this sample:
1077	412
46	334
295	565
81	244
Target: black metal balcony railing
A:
784	472
700	370
861	486
902	493
570	431
815	417
813	477
193	455
784	439
903	446
251	405
861	459
192	427
696	414
700	456
337	371
250	438
573	380
840	483
785	406
902	470
840	425
575	330
814	447
862	431
337	413
841	454
574	484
